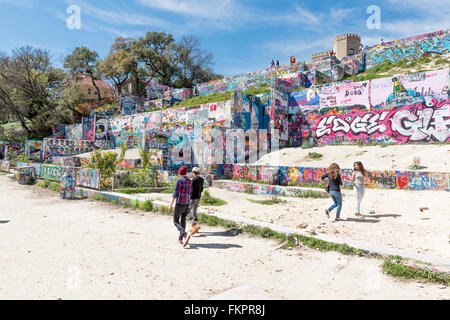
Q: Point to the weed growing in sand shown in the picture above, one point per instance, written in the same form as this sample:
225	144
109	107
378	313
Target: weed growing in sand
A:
147	206
315	155
268	202
416	167
394	267
208	200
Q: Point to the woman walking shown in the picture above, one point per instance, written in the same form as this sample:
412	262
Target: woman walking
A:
333	180
359	179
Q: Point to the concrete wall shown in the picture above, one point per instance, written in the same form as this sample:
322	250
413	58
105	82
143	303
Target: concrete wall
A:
380	179
409	48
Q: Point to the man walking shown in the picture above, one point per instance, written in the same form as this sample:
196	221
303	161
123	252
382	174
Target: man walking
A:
197	189
182	196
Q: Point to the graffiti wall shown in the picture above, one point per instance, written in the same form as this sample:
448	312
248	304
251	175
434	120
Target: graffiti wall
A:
5	165
89	178
64	148
88	131
33	149
59	131
420	122
84	177
387	179
66	161
409	48
74	132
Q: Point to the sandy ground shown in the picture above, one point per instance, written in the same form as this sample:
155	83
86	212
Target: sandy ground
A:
397	222
84	249
436	158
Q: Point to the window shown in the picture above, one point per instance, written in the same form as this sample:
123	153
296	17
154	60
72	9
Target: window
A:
89	91
351	51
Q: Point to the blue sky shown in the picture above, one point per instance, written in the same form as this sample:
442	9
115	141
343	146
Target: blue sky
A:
243	35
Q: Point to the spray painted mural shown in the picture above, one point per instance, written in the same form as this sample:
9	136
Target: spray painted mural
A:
5	165
89	178
88	130
84	177
59	131
64	148
416	123
409	48
33	149
74	132
388	179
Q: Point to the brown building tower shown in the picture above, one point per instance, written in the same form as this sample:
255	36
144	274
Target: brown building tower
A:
346	45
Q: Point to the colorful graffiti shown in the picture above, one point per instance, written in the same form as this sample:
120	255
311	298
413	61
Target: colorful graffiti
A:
387	179
88	131
64	148
5	165
74	132
66	161
89	178
33	148
408	49
415	123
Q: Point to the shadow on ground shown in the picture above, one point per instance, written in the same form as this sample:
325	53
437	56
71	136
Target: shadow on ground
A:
212	246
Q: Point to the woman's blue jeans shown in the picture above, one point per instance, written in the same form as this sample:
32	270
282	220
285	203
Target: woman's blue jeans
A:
337	199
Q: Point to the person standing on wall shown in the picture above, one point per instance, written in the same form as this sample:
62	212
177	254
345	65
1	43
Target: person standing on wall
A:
182	196
333	180
197	189
278	64
359	178
272	64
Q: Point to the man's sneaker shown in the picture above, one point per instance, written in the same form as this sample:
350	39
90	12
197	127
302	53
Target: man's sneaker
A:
180	241
327	213
186	239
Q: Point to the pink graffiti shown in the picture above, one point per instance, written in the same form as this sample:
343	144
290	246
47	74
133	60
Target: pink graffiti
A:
417	122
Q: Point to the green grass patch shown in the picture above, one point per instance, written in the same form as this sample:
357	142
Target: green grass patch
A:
208	200
395	268
147	206
416	167
268	202
315	155
312	194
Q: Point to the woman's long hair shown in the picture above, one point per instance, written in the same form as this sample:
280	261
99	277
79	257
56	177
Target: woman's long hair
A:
333	170
361	167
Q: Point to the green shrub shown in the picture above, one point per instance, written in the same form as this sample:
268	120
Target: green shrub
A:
315	155
106	163
147	206
207	200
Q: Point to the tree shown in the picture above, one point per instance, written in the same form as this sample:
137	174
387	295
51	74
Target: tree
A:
120	65
83	61
29	89
156	50
192	63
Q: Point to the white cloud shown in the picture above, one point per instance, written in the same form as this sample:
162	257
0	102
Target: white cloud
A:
197	8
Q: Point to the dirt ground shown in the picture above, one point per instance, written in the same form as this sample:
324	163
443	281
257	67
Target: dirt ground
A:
397	222
83	249
435	158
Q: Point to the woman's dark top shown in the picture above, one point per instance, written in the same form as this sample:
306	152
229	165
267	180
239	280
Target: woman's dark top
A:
334	183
